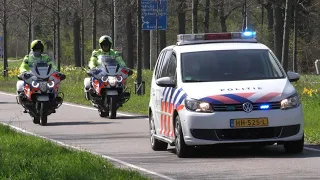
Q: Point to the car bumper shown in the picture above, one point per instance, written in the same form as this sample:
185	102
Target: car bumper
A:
214	128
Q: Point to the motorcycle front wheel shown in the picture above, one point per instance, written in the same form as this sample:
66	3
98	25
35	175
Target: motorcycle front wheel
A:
113	106
43	114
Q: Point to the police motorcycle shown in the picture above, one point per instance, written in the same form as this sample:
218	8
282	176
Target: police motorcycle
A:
40	96
108	92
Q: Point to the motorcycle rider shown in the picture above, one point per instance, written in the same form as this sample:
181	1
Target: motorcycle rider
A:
105	43
35	54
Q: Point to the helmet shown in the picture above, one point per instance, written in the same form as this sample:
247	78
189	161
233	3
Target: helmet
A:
37	44
105	40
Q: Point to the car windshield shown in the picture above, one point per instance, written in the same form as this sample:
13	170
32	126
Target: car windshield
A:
229	65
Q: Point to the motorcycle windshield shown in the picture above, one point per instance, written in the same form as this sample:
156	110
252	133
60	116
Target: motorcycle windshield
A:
110	64
41	69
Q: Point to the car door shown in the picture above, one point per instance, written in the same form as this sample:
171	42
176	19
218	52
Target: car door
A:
168	97
155	98
163	95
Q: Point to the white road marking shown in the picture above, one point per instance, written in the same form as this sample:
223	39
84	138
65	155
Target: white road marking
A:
107	157
72	105
80	149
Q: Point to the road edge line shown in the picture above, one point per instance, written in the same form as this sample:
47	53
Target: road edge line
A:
73	105
85	150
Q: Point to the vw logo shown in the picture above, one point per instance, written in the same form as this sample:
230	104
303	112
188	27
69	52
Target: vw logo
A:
247	107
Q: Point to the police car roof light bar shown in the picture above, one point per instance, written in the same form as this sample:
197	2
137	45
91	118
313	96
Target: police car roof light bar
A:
217	36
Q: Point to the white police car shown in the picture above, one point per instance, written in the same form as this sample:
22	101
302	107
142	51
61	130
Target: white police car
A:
223	88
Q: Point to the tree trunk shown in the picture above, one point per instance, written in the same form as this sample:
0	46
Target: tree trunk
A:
94	25
129	41
82	35
54	37
222	17
294	57
278	30
206	16
58	34
181	17
146	49
76	40
195	16
29	25
112	21
5	47
286	33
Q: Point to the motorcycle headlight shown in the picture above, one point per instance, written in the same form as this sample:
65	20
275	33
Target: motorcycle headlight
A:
290	102
35	84
104	78
198	106
112	80
119	78
51	84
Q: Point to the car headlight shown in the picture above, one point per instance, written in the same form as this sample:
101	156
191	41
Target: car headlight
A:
112	80
198	106
290	102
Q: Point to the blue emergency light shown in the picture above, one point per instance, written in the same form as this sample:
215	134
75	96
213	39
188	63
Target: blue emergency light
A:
264	106
249	33
227	36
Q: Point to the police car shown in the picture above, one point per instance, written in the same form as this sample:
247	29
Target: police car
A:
220	88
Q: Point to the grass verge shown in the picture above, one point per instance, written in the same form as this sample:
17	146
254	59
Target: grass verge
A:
308	87
27	157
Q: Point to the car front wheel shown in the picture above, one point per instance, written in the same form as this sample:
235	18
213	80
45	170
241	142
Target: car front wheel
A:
182	150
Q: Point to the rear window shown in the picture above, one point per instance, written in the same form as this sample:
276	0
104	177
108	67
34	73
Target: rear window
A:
229	65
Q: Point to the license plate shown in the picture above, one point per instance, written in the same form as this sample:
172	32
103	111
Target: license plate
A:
250	122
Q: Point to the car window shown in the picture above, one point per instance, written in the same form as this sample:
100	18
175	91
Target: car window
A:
229	65
165	63
160	58
172	66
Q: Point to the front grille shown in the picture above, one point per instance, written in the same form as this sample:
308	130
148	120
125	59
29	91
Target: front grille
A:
245	133
238	107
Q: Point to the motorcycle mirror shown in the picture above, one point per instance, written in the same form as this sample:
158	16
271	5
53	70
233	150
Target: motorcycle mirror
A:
130	72
19	77
89	73
62	77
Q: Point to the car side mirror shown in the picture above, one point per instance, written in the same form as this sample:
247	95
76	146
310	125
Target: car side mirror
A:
293	77
165	82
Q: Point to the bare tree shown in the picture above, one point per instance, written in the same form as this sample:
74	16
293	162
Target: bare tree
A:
285	46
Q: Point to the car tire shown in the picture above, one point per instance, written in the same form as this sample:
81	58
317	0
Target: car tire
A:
182	150
156	144
294	147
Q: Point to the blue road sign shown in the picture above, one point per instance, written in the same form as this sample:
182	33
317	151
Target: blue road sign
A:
149	14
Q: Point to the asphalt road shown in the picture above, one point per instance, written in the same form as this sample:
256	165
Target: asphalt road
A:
126	139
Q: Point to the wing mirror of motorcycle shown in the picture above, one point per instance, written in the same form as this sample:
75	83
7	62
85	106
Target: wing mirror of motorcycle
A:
130	72
89	73
62	77
20	77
